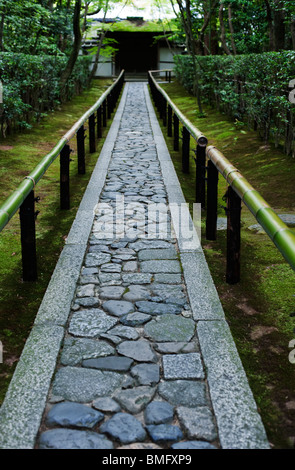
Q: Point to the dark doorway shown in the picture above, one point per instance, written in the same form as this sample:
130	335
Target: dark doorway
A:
136	53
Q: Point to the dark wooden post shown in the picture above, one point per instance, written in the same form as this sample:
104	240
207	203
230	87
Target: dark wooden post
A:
169	122
28	238
99	123
104	113
200	175
176	131
164	111
109	105
65	177
212	197
92	141
233	237
81	150
185	150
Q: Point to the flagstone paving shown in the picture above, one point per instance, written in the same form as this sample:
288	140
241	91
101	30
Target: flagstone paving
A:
131	373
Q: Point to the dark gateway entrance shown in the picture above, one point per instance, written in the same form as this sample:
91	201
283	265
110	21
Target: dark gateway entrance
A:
137	52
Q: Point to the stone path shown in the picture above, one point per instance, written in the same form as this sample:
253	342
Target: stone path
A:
132	371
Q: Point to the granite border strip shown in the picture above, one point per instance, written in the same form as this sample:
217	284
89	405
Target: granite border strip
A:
23	406
238	421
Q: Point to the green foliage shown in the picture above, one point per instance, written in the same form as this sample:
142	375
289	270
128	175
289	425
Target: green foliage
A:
31	86
250	88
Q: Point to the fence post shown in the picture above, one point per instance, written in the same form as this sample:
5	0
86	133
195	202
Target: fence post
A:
169	122
65	177
81	150
233	236
176	131
28	238
200	175
212	196
92	143
185	150
99	123
104	114
109	104
164	111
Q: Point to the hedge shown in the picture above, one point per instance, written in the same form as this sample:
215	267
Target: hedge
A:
252	88
31	87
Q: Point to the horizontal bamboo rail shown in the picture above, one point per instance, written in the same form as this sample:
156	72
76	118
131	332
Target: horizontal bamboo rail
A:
280	234
14	201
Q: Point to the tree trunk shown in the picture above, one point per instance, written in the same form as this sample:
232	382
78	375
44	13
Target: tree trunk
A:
222	31
293	32
1	32
279	25
270	26
76	47
233	44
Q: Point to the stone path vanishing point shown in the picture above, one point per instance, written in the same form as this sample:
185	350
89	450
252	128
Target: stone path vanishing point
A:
130	347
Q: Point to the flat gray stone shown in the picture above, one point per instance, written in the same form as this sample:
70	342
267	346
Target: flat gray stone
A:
120	364
198	422
84	385
184	392
163	266
183	366
73	439
111	292
96	259
135	319
74	415
136	278
139	350
146	374
130	266
111	268
135	399
126	332
124	428
164	432
158	412
144	244
118	307
106	404
157	308
170	328
87	302
164	278
170	347
106	277
76	349
167	291
136	293
156	254
86	290
90	323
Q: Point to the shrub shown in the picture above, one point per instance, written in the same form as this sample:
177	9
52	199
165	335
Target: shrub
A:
31	86
252	88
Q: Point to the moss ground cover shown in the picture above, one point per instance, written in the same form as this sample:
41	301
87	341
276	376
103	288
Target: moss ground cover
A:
260	309
19	154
